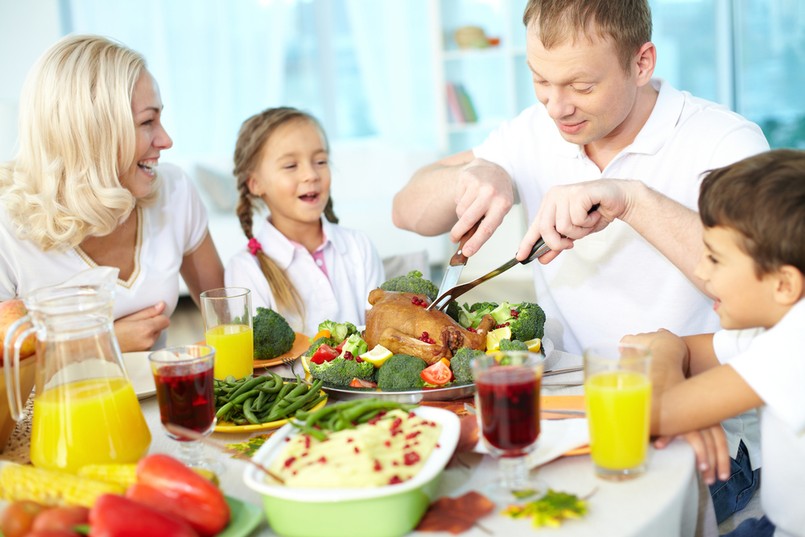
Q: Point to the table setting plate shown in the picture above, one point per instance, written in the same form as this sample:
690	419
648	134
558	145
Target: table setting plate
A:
300	345
139	372
245	517
447	393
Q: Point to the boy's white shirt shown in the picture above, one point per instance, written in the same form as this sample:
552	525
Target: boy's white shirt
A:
772	362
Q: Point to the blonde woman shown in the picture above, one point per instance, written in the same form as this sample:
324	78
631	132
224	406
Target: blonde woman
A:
299	263
86	189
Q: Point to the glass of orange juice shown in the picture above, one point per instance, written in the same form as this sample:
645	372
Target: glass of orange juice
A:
617	392
227	315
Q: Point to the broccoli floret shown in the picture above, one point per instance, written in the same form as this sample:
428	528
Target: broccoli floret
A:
413	282
273	336
512	345
470	316
526	319
340	372
316	343
401	373
338	331
461	364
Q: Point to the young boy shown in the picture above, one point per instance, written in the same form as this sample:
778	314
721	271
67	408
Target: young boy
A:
753	212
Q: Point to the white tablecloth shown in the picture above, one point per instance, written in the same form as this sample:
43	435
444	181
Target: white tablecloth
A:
667	501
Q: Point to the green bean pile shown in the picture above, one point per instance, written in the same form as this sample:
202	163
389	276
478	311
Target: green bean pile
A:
344	415
254	400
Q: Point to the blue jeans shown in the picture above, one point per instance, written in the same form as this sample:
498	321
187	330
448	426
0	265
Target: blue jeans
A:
753	527
732	495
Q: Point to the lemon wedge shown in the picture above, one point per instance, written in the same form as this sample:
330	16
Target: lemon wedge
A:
494	336
534	345
305	366
377	356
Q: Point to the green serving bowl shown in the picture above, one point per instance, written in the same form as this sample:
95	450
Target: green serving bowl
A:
386	511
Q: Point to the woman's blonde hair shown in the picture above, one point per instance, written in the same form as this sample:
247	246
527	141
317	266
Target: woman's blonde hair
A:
76	136
252	138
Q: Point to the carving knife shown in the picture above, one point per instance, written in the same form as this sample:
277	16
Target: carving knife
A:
457	262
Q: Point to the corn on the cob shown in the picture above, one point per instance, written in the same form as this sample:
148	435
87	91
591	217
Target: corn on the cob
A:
122	474
49	487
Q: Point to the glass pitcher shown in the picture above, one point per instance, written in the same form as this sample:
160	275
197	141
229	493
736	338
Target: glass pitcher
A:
85	409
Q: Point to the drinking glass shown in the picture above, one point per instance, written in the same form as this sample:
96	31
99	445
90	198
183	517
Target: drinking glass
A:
184	380
507	397
227	315
617	393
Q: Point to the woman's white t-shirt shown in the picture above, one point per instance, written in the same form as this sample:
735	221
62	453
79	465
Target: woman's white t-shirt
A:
171	228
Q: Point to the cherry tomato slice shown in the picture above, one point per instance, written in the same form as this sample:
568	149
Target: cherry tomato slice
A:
324	353
437	374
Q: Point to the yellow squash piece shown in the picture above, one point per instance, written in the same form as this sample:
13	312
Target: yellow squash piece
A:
534	345
494	336
377	356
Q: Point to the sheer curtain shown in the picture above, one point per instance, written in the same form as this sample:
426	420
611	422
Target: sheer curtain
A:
360	66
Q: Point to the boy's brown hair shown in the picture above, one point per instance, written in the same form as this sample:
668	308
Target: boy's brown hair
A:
763	198
626	22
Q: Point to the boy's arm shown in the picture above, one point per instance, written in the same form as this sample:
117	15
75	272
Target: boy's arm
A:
702	401
674	360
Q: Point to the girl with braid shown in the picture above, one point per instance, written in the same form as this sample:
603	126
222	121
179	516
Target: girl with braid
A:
298	261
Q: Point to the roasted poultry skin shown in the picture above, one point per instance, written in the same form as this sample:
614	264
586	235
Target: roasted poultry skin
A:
398	320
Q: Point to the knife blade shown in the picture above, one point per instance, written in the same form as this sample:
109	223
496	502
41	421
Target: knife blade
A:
456	264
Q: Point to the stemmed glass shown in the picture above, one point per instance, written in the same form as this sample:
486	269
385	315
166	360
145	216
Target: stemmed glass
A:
184	380
507	397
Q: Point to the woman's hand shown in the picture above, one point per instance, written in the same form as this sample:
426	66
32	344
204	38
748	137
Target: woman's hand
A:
140	330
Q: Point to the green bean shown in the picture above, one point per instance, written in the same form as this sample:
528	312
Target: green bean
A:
248	385
273	384
239	399
247	411
293	405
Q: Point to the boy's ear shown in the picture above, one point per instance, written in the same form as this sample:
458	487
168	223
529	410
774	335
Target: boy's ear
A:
790	285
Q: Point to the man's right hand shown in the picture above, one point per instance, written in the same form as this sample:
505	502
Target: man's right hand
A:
483	191
453	195
140	330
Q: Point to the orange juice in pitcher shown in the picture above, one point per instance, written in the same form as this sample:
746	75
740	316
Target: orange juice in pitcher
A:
85	409
86	422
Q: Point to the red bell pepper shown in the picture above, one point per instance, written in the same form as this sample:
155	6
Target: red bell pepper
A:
116	516
167	484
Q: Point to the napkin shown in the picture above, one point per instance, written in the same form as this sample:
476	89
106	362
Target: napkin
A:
558	436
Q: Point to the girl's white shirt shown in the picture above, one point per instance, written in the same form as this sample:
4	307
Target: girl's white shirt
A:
353	266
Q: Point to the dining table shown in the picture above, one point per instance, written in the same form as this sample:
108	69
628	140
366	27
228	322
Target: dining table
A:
669	499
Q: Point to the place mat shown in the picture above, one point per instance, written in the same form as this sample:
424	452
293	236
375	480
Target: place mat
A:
563	402
18	447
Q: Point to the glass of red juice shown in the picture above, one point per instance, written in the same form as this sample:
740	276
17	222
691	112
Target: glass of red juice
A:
507	395
184	381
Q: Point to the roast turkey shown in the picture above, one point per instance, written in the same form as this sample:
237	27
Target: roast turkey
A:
400	322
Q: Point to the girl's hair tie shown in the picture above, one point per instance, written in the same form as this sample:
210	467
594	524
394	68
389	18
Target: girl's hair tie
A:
255	246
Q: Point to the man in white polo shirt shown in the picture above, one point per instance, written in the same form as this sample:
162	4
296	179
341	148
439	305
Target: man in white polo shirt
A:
606	139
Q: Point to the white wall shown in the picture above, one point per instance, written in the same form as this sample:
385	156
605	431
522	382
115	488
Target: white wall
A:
26	30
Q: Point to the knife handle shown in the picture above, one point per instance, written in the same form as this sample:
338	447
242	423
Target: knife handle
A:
459	258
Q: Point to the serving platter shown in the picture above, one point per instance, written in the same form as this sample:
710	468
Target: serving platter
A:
447	393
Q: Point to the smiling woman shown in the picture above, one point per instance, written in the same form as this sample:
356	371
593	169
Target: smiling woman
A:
85	190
